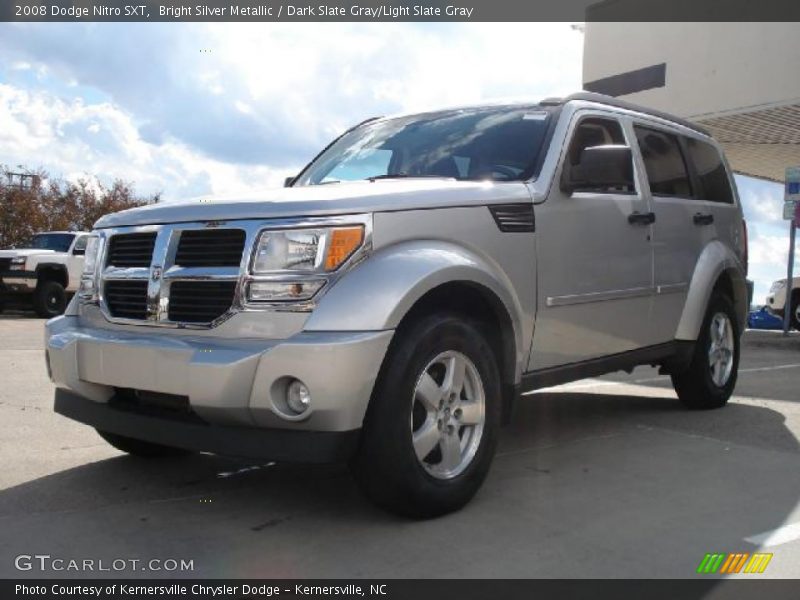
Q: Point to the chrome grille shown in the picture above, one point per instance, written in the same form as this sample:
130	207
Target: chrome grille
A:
200	301
127	299
187	275
210	248
184	274
131	249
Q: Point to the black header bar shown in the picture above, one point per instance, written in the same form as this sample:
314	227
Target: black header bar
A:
394	10
395	589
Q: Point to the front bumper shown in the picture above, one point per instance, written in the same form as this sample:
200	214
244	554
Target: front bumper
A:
18	281
245	442
226	382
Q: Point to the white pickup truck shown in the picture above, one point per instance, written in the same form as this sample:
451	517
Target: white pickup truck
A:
44	272
776	300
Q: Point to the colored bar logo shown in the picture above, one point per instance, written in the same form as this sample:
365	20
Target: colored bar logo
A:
735	562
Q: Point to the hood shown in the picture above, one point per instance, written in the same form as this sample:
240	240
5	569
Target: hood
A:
23	252
335	198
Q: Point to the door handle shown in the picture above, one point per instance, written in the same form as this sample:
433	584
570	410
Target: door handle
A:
638	218
703	219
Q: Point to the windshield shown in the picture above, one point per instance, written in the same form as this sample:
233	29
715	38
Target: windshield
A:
498	143
51	241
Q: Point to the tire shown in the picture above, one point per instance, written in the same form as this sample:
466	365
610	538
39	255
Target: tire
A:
141	448
415	373
49	299
795	318
705	384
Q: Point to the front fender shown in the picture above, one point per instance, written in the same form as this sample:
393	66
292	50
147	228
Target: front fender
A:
715	259
378	293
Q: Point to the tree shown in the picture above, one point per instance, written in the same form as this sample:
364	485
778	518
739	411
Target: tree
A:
45	204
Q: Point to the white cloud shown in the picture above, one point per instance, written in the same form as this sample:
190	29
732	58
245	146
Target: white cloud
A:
273	94
74	140
769	250
769	234
256	107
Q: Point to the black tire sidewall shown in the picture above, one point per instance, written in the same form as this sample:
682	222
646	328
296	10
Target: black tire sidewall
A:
386	464
795	302
46	290
695	387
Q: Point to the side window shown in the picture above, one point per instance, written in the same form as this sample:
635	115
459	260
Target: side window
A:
707	162
79	249
593	132
663	161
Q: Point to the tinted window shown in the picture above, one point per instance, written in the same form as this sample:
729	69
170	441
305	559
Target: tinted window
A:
663	161
499	143
714	182
589	133
59	242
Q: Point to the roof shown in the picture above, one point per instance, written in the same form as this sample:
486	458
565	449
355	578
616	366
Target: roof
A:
617	103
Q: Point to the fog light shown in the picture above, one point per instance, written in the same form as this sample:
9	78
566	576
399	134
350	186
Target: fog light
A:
298	398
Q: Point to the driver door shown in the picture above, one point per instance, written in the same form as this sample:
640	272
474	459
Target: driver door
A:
594	258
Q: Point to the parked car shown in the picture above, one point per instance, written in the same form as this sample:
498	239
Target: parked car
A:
776	300
390	306
44	273
763	319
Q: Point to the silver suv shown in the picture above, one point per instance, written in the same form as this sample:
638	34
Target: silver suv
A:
390	305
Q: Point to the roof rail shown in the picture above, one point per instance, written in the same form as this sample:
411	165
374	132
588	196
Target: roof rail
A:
616	102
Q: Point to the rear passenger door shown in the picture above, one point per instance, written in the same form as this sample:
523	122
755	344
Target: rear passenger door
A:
684	222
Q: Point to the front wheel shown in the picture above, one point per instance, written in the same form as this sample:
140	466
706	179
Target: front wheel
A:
431	429
709	379
49	299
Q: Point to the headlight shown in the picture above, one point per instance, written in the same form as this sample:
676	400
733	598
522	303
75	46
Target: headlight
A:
303	256
306	250
88	286
17	263
778	285
90	258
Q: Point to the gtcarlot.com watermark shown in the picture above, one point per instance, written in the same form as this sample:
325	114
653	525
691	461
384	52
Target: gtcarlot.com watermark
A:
48	563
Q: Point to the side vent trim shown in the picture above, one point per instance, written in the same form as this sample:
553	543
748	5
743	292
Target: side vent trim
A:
514	218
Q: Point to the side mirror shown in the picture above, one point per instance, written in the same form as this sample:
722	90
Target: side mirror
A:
601	168
288	181
79	251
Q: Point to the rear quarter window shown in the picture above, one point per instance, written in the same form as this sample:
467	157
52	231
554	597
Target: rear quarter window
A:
711	173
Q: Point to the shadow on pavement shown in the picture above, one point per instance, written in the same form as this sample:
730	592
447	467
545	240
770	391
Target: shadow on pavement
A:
609	481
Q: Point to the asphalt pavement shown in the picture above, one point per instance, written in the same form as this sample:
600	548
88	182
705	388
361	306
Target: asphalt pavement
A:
607	477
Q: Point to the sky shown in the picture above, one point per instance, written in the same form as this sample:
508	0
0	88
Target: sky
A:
194	109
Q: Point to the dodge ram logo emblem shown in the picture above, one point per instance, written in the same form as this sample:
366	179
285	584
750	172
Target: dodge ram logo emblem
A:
155	273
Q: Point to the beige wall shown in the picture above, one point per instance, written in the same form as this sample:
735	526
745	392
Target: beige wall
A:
712	68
